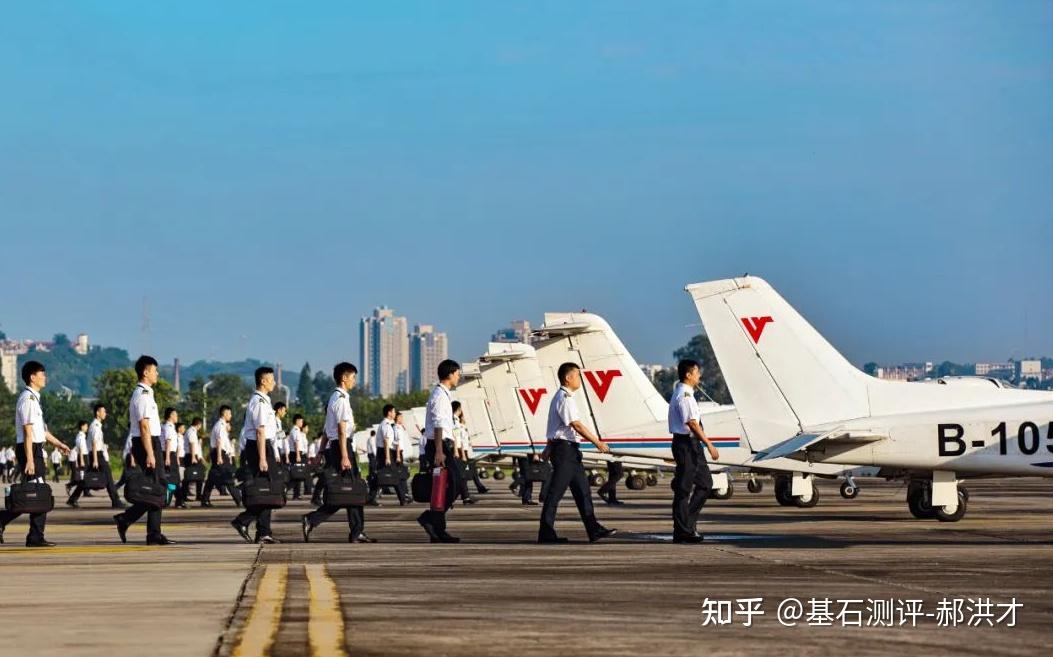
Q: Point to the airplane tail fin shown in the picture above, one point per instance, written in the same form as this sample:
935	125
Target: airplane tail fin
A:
782	374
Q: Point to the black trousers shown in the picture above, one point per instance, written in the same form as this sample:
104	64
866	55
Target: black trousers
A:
36	520
474	471
172	475
400	489
136	511
567	472
615	472
692	484
214	475
462	485
526	488
437	519
356	517
187	462
250	458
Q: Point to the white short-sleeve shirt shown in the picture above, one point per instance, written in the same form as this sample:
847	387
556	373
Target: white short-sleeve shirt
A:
220	437
80	443
562	411
683	407
439	414
339	410
192	442
28	411
143	406
259	413
385	435
95	438
169	437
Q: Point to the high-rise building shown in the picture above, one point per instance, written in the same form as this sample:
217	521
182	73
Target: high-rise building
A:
384	353
427	350
518	331
81	346
9	369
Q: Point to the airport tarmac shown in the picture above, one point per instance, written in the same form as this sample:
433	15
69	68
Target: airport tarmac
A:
497	592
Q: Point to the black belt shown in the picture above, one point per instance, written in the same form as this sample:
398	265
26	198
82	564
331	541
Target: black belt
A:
682	435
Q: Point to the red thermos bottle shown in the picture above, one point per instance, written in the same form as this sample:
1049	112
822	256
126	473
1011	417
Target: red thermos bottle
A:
439	478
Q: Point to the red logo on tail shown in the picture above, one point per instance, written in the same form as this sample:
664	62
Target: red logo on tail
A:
755	326
601	381
532	397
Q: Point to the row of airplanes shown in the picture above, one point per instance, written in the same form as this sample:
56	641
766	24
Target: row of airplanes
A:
801	411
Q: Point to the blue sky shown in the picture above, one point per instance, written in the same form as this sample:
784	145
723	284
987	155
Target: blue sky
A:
267	173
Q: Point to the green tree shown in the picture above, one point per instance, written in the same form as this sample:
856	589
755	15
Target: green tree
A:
713	384
114	389
63	413
323	385
7	411
306	397
871	368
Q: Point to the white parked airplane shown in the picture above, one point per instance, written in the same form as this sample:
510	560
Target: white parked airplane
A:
799	398
631	415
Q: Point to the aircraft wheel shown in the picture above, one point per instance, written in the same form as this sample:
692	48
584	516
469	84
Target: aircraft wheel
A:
727	494
848	491
801	504
754	485
499	475
636	482
652	480
782	491
958	514
962	490
484	473
919	501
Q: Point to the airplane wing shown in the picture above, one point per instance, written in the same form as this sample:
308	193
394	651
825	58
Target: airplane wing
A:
835	438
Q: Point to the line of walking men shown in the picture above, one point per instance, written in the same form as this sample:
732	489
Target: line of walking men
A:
152	453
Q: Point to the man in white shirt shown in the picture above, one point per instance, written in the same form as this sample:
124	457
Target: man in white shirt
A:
438	452
170	444
56	463
692	482
460	454
257	435
297	453
78	459
31	433
192	455
385	435
564	432
221	455
281	442
144	422
98	459
340	457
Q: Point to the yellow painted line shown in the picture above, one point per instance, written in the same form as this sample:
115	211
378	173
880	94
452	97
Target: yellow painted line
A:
262	625
79	549
325	625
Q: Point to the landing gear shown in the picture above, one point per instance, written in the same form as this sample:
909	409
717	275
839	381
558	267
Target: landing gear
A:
801	502
754	486
807	494
919	501
652	480
597	479
499	474
849	490
728	492
635	482
484	473
782	490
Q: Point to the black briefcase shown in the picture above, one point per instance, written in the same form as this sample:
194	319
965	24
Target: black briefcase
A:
171	475
30	498
93	480
537	471
263	493
283	473
344	489
420	487
221	475
298	471
194	472
392	475
140	488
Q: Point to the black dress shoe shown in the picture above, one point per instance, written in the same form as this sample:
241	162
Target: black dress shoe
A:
484	490
242	530
2	534
556	540
688	540
432	534
446	538
529	503
161	540
267	540
122	528
602	534
361	538
470	500
306	528
40	543
205	504
118	505
72	504
373	503
615	502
